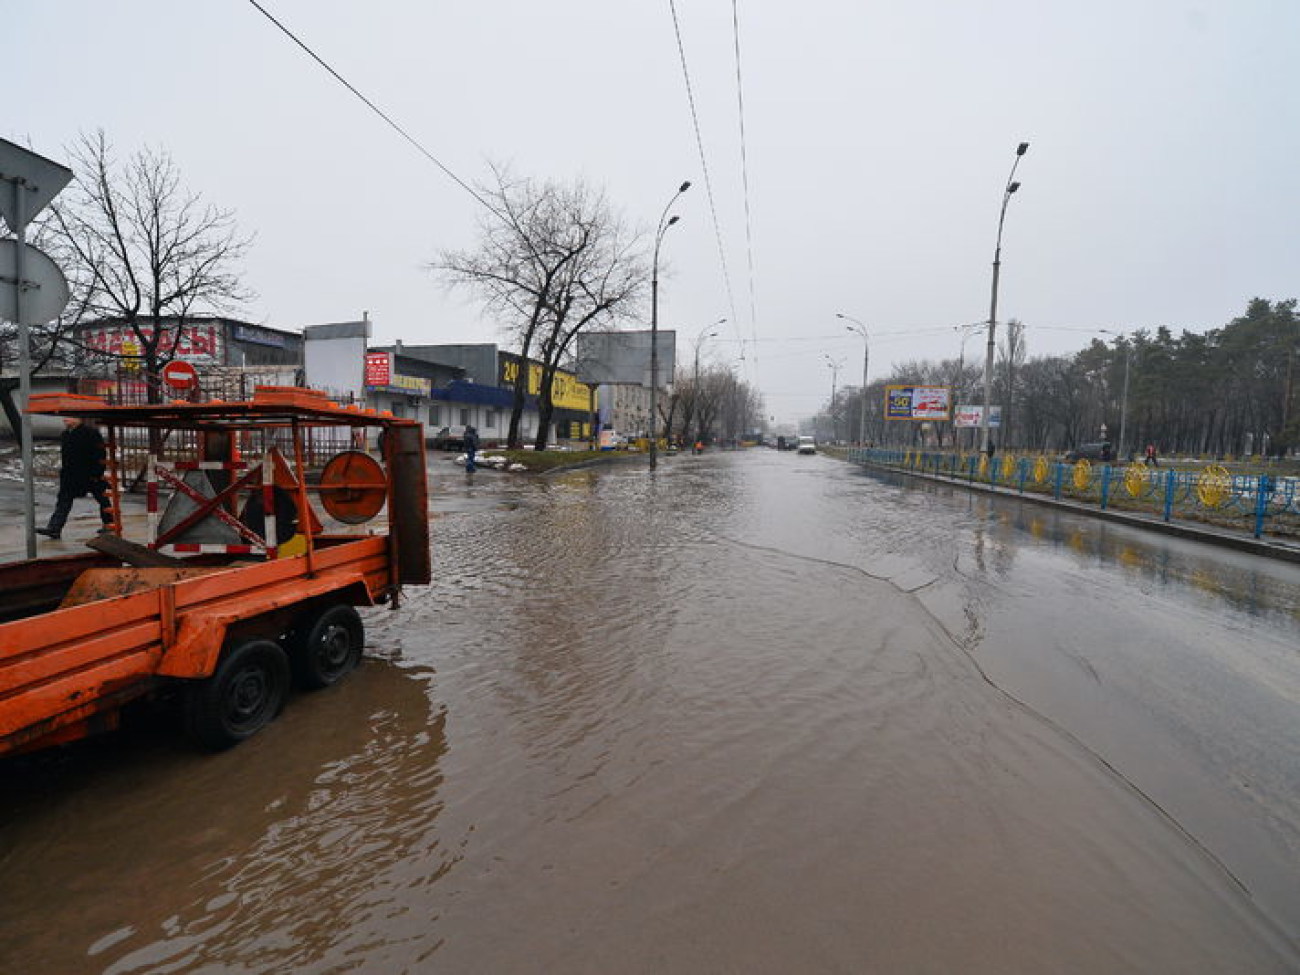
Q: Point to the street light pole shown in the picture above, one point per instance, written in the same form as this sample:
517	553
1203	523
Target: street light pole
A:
1012	186
664	223
1123	405
961	373
1123	400
695	380
834	365
861	329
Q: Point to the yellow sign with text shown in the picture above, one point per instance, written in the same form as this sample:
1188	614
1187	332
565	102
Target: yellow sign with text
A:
566	392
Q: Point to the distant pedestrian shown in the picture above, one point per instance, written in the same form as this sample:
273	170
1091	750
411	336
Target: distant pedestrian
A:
471	448
1151	460
1107	455
81	449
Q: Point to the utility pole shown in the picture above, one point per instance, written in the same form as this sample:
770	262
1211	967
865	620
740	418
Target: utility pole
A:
664	224
1011	188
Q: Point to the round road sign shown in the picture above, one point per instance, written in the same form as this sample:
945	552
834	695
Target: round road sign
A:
179	374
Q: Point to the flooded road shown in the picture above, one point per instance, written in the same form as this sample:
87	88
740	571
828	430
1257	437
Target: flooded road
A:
758	713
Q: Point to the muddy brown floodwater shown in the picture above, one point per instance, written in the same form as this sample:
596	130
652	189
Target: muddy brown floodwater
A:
757	713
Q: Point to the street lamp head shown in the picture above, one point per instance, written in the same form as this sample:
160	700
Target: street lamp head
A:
687	184
674	218
1022	148
1010	189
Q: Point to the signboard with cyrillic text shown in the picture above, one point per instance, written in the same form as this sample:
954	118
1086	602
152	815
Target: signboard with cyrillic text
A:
971	416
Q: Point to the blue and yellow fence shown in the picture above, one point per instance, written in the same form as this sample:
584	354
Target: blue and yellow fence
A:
1213	494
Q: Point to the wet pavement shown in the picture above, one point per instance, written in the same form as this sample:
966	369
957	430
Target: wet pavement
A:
756	713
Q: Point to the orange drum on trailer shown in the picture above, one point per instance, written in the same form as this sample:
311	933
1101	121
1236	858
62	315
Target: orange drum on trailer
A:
353	487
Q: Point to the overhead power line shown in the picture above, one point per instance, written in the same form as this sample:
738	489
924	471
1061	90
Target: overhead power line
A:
704	164
744	169
376	109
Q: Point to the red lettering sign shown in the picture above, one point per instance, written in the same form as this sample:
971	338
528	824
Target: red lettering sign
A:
379	368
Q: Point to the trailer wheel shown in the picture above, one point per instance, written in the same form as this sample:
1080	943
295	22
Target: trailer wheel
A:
244	695
325	649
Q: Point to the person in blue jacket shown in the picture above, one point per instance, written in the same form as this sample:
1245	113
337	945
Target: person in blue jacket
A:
471	448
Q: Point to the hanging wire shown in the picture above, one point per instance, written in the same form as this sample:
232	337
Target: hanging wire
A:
376	109
744	170
704	163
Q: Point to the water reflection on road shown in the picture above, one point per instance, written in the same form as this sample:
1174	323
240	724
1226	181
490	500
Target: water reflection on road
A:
757	713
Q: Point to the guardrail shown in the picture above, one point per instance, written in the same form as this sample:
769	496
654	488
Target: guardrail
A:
1213	494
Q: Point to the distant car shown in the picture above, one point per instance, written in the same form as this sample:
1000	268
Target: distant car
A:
807	445
1101	451
449	438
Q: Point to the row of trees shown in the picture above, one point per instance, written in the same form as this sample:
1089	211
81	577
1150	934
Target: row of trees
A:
1231	390
554	260
710	406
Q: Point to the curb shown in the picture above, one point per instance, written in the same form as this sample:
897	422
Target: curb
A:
1284	551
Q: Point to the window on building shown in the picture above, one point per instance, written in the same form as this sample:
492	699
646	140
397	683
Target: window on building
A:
464	417
490	420
435	416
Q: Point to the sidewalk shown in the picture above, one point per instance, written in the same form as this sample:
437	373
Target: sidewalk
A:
1242	541
83	524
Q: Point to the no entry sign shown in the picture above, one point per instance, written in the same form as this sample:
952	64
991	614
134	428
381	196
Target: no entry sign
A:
179	374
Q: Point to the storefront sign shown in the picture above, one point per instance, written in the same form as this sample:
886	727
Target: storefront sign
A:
258	336
195	343
379	368
566	392
412	384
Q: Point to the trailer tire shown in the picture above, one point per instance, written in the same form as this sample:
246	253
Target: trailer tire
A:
244	694
325	649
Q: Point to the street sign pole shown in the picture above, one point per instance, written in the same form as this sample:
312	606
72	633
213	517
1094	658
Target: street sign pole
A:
35	181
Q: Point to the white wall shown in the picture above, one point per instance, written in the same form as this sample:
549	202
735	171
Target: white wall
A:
334	358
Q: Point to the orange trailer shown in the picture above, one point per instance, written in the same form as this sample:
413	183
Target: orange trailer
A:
241	586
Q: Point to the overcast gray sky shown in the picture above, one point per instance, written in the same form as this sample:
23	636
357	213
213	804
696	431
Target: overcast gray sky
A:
1160	187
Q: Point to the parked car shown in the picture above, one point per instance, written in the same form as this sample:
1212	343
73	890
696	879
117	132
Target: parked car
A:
449	438
1101	451
807	445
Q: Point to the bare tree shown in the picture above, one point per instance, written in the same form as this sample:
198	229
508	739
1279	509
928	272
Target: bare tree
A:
140	249
552	260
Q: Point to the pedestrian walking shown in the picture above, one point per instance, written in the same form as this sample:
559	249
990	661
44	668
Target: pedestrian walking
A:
471	448
1151	460
81	449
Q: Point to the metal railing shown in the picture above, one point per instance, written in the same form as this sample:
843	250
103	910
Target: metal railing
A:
1212	494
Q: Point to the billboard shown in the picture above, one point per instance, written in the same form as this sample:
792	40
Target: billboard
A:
624	357
917	402
971	416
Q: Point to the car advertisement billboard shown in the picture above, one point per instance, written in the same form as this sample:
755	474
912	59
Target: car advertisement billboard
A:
917	402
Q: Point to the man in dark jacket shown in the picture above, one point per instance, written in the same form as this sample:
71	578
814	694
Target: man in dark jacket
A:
471	448
82	453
